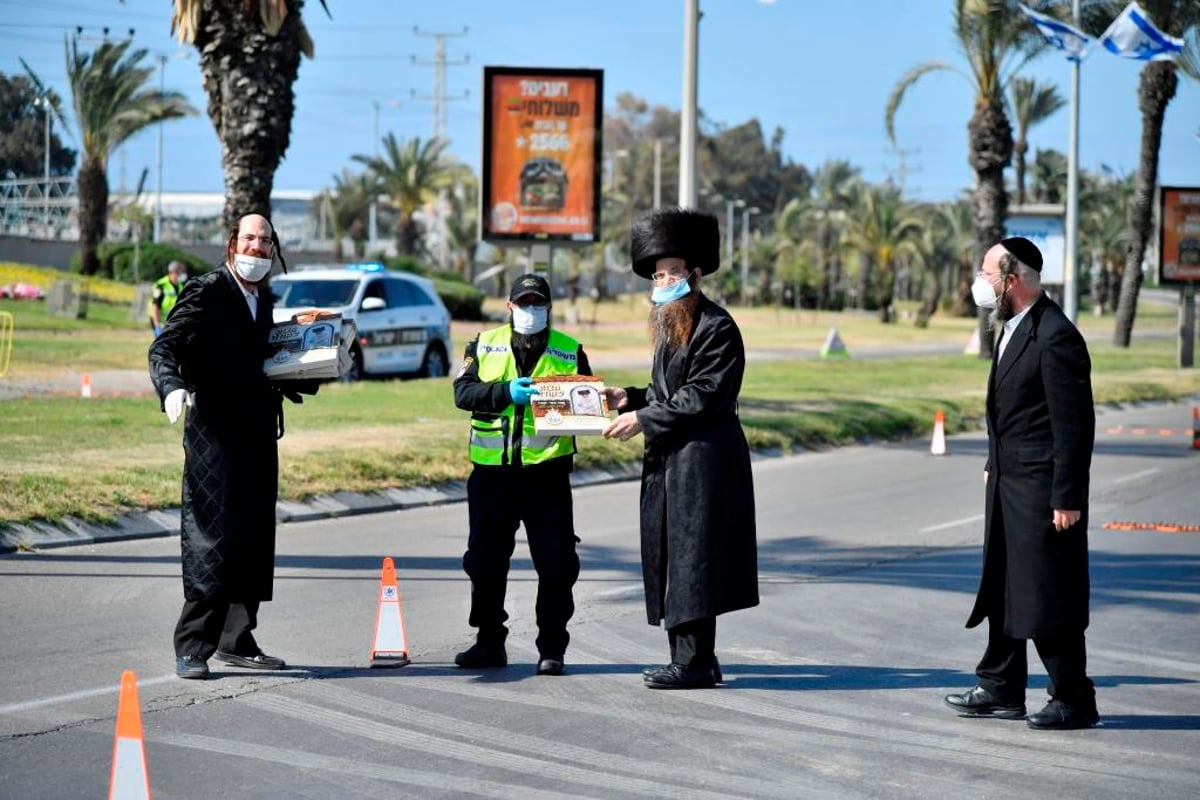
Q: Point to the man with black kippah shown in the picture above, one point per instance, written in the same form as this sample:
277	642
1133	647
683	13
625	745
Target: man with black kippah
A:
699	555
1041	428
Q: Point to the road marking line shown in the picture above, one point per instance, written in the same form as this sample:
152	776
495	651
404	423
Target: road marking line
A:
952	524
16	708
1134	476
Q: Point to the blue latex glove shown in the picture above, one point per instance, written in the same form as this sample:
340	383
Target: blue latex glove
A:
521	390
157	331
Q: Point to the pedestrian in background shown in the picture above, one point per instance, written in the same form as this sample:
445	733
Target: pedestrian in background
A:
210	358
1041	429
699	553
165	294
519	477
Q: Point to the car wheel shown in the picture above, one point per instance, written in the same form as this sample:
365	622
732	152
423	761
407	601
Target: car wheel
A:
435	364
355	372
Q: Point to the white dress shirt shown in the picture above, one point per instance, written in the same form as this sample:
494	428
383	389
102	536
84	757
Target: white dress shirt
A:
251	298
1010	326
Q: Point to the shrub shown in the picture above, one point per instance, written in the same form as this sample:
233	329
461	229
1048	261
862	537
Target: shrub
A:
116	261
463	301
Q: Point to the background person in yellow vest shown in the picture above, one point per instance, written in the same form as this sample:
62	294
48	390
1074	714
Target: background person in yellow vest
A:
166	292
519	477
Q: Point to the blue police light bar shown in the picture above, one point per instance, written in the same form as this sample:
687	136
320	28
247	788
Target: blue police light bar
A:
366	266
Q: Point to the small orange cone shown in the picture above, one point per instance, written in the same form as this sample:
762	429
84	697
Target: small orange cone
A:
129	778
1196	427
938	445
85	388
390	648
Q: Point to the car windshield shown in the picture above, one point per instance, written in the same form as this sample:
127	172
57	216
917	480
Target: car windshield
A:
314	292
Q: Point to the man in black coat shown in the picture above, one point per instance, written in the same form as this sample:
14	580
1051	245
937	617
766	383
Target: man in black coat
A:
1041	428
210	358
699	556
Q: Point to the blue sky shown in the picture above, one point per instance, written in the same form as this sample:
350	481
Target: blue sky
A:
823	71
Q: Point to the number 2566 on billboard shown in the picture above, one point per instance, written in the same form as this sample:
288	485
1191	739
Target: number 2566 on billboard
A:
541	154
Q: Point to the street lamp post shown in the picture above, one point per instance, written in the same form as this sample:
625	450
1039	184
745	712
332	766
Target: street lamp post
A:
372	214
658	173
158	190
46	165
687	116
1070	268
746	212
730	205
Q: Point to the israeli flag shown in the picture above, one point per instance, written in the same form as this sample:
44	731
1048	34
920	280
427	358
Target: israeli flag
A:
1075	43
1133	35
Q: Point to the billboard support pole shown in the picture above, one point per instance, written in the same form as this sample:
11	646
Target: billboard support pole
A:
1187	324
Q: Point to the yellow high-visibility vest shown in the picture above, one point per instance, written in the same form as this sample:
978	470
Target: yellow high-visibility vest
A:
492	435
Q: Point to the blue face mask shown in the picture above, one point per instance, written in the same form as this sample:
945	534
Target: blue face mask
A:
670	293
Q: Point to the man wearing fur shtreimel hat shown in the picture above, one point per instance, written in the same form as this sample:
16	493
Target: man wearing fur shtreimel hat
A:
699	555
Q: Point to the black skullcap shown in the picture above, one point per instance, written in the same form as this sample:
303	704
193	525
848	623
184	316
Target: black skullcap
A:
1026	251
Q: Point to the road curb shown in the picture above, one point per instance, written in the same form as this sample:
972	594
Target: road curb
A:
71	531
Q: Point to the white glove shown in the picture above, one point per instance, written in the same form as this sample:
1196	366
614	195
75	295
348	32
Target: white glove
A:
175	402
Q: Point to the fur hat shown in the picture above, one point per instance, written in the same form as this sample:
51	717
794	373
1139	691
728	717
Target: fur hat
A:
675	232
1025	251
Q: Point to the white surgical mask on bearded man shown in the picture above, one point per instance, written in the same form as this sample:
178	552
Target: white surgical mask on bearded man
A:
250	268
530	319
983	292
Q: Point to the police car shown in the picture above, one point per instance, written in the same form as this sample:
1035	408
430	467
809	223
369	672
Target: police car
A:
403	327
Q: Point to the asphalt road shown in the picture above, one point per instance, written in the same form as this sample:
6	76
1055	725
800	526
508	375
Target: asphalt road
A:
868	559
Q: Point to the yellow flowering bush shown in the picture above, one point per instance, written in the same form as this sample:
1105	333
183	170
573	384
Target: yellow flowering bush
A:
101	290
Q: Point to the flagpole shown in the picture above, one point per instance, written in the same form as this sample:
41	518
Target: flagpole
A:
687	116
1071	267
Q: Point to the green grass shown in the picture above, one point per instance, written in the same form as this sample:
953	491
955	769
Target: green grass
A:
97	458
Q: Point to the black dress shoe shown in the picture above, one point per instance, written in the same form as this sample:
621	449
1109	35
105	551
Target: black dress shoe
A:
677	676
1058	716
191	667
479	656
259	660
716	670
550	666
979	702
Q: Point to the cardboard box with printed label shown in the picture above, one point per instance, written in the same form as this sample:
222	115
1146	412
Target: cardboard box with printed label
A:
570	405
318	346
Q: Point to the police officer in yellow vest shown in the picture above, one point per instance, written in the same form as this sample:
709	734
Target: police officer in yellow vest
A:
519	477
166	292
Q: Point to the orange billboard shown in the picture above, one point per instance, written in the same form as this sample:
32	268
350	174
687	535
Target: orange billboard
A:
541	154
1178	234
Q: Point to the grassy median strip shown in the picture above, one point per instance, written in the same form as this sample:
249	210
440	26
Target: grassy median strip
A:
94	459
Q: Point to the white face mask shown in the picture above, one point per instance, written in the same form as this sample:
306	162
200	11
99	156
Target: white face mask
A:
251	269
530	319
983	292
182	277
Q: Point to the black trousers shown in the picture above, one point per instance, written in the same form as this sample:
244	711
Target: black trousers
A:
499	500
1004	669
206	626
693	643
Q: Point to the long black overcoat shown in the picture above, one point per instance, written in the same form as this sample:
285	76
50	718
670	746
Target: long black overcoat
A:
699	556
1041	428
211	346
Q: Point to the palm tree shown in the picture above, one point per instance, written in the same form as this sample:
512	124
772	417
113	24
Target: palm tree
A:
249	57
1031	103
1157	86
112	103
834	186
410	172
349	205
462	226
880	229
1049	177
996	40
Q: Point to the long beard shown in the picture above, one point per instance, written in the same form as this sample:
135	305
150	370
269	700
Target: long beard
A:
672	324
1003	311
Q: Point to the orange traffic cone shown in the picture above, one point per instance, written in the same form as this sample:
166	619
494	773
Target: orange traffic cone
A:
129	778
938	445
85	388
1196	427
390	648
